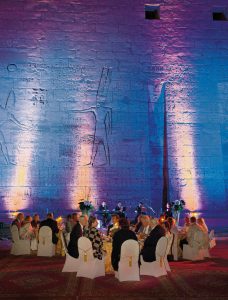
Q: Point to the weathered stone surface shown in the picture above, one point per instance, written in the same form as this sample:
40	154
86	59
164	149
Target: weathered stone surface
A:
82	134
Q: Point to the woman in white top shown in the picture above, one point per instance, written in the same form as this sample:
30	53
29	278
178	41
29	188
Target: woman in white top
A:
26	231
201	223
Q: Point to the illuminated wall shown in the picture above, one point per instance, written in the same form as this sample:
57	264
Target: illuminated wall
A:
82	91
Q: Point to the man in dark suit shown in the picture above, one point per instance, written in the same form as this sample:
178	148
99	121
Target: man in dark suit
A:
50	222
149	248
75	234
119	237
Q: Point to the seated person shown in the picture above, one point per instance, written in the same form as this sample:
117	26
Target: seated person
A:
149	248
204	228
202	224
186	224
120	210
35	221
172	223
114	226
166	226
19	220
145	228
120	236
138	224
94	236
104	212
138	211
26	231
68	224
50	222
75	234
193	228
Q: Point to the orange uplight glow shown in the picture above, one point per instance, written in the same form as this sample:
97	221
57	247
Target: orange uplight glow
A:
182	142
84	181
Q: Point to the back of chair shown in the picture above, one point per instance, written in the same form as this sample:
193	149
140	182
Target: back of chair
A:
85	249
14	233
130	251
45	235
198	241
161	247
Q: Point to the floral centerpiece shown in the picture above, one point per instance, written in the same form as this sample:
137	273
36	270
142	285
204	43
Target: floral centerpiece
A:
177	206
86	207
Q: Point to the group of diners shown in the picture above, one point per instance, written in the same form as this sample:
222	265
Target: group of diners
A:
119	232
147	231
28	227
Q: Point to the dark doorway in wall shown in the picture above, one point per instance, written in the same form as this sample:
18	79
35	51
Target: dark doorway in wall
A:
152	12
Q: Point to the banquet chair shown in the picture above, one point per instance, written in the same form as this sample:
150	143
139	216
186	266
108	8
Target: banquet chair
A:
128	268
169	245
71	263
156	268
88	266
45	245
196	252
19	247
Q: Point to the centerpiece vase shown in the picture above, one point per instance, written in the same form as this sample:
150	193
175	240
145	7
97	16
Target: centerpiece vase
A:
176	215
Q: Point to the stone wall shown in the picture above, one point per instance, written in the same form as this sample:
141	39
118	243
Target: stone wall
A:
82	89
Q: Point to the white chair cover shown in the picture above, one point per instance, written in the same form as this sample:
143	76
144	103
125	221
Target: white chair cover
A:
170	241
45	245
71	263
89	266
156	268
19	247
128	268
196	252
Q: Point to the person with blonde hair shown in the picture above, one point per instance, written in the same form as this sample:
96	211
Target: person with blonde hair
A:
145	228
202	224
26	232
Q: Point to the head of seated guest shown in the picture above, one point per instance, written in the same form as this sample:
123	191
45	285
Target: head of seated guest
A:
18	220
187	221
114	226
35	221
202	224
172	223
68	224
122	235
75	217
50	222
166	226
146	226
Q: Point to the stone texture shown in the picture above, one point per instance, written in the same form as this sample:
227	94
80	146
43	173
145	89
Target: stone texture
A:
51	59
